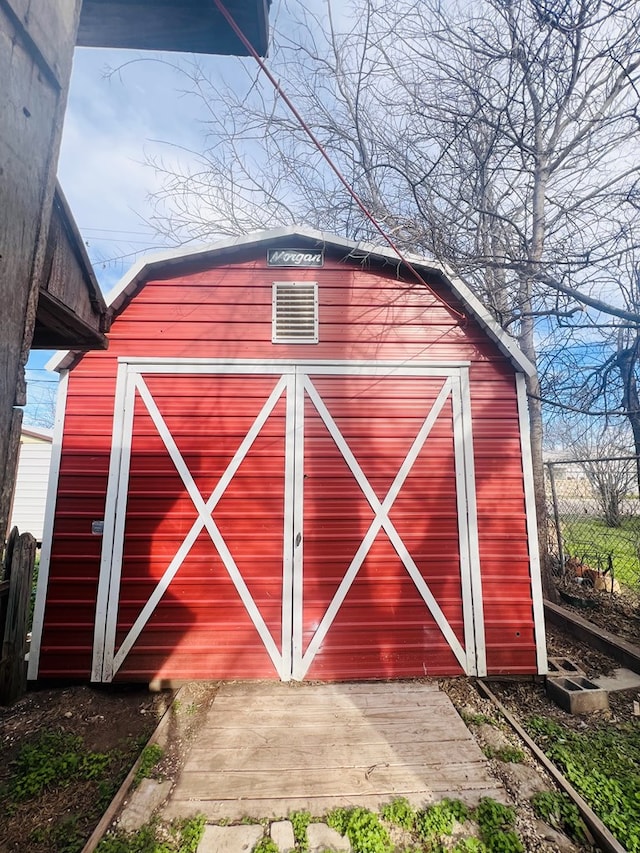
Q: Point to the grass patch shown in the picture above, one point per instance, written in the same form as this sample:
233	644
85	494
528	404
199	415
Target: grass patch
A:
179	836
590	536
53	760
508	754
604	766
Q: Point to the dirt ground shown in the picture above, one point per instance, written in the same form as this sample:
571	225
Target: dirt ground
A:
117	721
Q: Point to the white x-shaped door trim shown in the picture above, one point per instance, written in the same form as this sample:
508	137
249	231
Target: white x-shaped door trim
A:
294	381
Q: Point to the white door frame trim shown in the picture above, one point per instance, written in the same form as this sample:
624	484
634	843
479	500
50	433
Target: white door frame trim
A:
292	380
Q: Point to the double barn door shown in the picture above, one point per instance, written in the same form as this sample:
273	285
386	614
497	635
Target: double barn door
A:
290	520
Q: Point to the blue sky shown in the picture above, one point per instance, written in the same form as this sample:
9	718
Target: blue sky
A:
124	107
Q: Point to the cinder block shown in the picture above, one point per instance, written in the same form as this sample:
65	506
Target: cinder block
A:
577	695
563	667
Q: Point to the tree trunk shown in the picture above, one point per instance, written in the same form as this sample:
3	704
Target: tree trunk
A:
536	429
626	359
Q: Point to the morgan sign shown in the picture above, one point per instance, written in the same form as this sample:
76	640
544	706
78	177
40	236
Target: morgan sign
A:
294	258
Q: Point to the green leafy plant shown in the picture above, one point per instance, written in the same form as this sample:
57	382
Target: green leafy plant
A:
266	845
439	819
477	719
603	765
63	837
505	753
149	757
300	820
180	836
495	822
399	812
53	759
469	845
366	833
558	811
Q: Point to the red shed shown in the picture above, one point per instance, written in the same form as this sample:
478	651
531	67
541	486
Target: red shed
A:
293	461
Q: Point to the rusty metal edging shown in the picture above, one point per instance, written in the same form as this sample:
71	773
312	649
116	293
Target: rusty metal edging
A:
600	832
116	802
598	638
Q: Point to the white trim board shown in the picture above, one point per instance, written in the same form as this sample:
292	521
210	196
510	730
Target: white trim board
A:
295	381
222	251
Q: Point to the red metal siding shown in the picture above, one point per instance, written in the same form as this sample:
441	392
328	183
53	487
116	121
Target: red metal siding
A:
383	629
226	313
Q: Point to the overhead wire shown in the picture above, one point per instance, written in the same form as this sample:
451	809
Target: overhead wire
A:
305	127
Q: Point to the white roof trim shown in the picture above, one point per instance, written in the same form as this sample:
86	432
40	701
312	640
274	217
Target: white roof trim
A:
143	269
44	433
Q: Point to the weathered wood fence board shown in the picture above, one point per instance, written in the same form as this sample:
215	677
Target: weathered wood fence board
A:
19	563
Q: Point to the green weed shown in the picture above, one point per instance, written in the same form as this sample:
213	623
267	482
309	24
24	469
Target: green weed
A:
399	812
604	767
366	833
266	845
180	836
53	759
63	837
149	757
477	719
559	812
495	822
508	754
300	820
439	819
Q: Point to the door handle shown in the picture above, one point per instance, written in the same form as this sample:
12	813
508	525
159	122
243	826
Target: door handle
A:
298	539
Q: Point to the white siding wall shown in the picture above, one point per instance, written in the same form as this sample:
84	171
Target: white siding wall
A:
31	486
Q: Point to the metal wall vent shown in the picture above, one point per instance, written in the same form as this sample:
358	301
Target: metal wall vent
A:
295	312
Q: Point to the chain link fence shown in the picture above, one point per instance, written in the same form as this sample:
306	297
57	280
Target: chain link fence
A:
594	515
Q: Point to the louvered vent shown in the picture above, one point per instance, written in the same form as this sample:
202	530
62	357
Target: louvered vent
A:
295	312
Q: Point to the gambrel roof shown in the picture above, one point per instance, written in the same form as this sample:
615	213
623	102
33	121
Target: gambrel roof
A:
296	236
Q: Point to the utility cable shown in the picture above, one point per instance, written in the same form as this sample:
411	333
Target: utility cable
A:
303	124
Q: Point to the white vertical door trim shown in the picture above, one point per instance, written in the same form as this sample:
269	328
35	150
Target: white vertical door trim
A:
297	531
288	528
203	520
47	531
532	526
381	519
468	527
115	509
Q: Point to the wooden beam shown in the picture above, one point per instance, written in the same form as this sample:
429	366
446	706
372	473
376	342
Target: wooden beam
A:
36	50
193	26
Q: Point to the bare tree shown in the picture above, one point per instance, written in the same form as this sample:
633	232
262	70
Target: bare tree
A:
497	135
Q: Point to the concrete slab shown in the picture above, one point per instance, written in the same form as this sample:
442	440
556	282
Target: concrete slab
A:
144	801
282	834
229	839
622	679
321	838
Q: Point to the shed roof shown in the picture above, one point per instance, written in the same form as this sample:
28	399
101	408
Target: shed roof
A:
296	236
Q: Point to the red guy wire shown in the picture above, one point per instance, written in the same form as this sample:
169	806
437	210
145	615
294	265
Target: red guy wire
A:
245	41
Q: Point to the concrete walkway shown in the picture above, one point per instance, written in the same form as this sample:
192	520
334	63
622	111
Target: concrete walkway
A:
266	749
